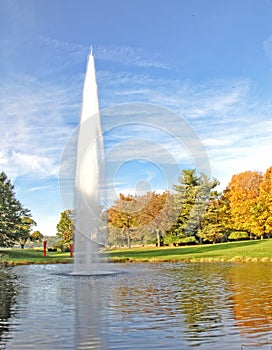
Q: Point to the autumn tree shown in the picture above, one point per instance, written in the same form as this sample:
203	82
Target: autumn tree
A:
13	215
122	218
243	193
263	209
140	217
157	214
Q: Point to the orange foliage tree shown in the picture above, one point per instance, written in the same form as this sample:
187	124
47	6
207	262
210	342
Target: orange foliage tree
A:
134	217
243	194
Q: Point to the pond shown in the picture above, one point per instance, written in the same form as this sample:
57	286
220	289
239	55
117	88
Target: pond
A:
141	306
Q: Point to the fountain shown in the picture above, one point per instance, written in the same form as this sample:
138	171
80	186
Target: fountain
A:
88	178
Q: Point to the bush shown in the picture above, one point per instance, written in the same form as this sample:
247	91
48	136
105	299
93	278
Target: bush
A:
64	247
178	241
237	235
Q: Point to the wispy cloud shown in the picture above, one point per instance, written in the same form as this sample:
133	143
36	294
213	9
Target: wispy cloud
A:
130	56
34	126
232	123
65	46
123	55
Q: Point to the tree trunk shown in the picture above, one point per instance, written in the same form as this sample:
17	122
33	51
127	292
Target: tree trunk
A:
158	238
128	240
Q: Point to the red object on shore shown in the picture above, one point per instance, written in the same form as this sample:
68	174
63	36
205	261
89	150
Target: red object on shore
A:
44	248
71	250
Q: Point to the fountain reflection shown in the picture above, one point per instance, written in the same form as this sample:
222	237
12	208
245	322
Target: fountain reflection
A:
89	307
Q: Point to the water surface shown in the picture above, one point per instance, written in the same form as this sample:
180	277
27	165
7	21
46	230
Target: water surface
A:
142	306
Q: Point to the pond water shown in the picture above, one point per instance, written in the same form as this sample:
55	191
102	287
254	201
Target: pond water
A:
141	306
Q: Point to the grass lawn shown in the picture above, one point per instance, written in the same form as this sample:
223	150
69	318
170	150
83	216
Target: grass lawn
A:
259	250
32	256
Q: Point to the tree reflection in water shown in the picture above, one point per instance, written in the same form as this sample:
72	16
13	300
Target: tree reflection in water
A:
202	298
252	298
8	293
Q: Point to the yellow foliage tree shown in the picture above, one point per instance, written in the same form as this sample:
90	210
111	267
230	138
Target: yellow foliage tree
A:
264	207
243	194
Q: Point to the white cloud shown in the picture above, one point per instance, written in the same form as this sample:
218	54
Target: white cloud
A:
124	55
73	48
35	130
29	163
233	124
130	56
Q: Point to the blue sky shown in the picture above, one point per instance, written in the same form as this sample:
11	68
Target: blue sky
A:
209	62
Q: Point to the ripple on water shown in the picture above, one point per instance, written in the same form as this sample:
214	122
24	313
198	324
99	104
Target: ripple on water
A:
141	306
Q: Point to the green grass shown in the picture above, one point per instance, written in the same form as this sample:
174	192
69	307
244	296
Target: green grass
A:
259	250
32	256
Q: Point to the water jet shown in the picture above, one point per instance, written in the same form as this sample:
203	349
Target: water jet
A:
89	174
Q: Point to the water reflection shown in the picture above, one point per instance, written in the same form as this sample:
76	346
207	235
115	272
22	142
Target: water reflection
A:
252	299
156	306
202	295
8	292
90	307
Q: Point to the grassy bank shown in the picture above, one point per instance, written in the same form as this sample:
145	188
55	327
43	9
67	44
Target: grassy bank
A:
31	256
232	251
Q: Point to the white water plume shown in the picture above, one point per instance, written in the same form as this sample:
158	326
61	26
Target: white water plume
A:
88	177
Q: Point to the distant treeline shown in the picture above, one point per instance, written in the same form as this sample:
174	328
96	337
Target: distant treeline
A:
195	212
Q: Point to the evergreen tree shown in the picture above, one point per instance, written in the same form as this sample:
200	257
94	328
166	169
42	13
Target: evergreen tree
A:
12	214
213	228
194	193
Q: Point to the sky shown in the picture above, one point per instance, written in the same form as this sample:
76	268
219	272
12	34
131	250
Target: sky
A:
201	69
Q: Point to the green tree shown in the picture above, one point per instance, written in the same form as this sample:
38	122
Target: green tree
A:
25	227
194	193
65	226
36	236
185	199
12	214
213	228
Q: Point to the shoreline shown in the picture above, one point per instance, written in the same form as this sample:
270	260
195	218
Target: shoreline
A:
244	251
4	264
